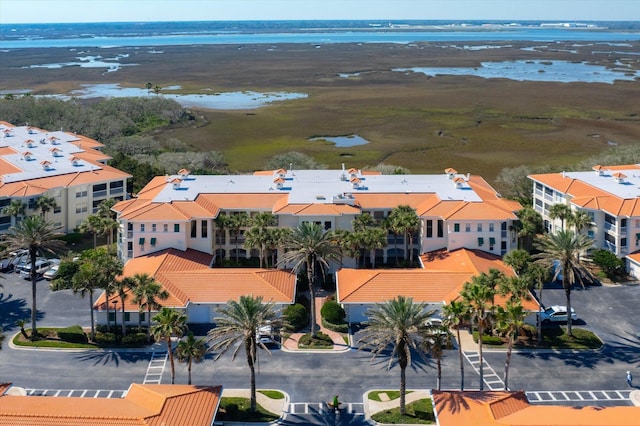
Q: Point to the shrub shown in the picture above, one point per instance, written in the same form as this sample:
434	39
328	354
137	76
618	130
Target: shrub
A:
73	238
340	328
332	312
321	340
73	334
296	316
231	409
610	264
488	340
134	339
103	338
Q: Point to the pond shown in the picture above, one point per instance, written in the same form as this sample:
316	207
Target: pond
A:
214	100
342	141
538	70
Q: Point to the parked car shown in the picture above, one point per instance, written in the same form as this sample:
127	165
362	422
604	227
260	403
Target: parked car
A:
264	334
52	273
556	313
6	265
42	266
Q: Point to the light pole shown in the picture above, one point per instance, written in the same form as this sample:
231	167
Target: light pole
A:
115	321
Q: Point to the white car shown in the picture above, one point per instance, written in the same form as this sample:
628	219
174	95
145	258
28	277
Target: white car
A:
52	273
264	334
556	313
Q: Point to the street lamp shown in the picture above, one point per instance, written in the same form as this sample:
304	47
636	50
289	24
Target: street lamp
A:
115	320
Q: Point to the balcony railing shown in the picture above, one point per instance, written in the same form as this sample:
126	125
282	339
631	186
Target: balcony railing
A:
610	227
116	190
97	194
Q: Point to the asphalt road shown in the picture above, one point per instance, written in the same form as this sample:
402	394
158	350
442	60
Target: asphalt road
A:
315	377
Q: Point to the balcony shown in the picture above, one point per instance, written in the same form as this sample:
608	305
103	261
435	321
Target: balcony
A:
113	191
98	194
610	227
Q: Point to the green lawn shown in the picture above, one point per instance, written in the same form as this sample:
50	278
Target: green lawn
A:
237	410
418	412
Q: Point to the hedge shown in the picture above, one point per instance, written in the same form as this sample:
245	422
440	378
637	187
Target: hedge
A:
73	334
296	316
488	340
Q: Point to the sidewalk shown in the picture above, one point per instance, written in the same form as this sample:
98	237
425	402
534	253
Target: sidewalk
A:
276	406
339	345
372	407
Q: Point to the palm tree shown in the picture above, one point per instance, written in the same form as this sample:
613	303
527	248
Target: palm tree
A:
478	296
15	209
191	350
580	220
84	282
109	222
560	211
405	220
45	204
310	245
123	286
258	236
373	239
237	328
275	239
510	321
529	224
237	222
434	344
516	287
454	315
169	323
518	260
565	247
93	224
537	275
35	235
402	325
147	293
222	222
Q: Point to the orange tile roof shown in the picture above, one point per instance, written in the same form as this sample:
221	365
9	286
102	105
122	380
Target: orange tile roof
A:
244	201
188	278
441	280
317	209
6	166
501	408
143	405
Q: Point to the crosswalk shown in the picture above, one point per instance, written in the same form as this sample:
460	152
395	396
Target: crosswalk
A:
355	408
491	378
555	397
156	367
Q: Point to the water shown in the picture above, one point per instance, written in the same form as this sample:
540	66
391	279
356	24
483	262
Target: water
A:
218	100
342	141
309	32
557	71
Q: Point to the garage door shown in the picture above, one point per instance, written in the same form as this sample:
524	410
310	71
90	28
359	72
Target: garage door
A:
198	313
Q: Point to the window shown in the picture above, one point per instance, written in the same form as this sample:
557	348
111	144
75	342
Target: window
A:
480	241
116	187
142	316
176	227
194	228
492	242
57	210
479	227
81	194
32	204
327	225
153	227
456	227
165	227
141	241
153	241
467	227
429	228
127	316
440	228
204	231
81	209
491	229
142	227
623	242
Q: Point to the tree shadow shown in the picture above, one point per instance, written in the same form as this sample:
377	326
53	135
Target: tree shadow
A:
99	357
12	310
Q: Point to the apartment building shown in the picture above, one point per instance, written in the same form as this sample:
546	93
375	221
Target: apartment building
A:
69	168
179	211
609	194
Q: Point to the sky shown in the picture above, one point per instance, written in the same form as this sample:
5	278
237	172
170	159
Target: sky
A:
50	11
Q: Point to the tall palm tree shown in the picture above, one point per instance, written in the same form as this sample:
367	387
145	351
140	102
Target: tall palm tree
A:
438	339
510	321
258	235
478	296
237	328
401	324
529	224
565	247
237	222
310	245
35	235
580	220
222	223
191	350
517	288
147	293
84	282
538	274
107	267
275	239
454	315
93	224
560	211
15	209
373	239
45	204
518	260
123	287
169	323
405	220
109	222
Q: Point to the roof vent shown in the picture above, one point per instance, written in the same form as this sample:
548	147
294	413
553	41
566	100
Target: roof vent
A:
74	160
175	182
45	164
28	156
184	173
279	181
29	143
450	172
54	140
55	152
599	170
619	177
459	181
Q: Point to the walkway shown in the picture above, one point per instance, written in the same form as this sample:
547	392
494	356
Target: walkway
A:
339	345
